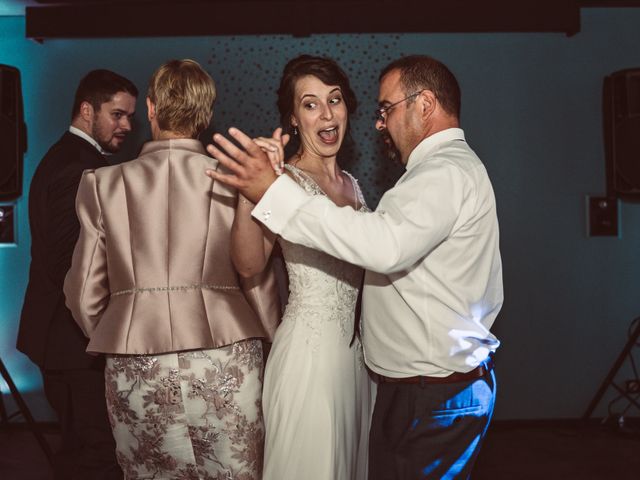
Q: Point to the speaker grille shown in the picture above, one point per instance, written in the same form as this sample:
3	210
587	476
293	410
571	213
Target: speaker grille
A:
628	169
8	150
621	120
12	133
633	95
8	95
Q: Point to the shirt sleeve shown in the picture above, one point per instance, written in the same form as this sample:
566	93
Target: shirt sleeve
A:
412	218
86	286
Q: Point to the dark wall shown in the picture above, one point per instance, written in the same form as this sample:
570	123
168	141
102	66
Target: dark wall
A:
531	109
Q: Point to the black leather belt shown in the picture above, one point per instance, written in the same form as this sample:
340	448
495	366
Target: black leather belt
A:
478	372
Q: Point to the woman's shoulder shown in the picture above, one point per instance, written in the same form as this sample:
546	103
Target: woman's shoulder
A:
302	178
349	175
357	190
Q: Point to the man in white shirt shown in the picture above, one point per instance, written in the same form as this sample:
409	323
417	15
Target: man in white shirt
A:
433	286
73	380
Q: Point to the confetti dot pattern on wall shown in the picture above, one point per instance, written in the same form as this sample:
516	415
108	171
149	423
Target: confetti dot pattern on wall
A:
247	72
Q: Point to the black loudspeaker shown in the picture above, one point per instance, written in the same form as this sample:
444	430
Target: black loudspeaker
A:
13	133
621	120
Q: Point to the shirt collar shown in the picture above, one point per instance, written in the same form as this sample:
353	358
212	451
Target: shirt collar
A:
88	138
429	144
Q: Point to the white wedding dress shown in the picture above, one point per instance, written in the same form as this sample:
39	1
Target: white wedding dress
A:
318	395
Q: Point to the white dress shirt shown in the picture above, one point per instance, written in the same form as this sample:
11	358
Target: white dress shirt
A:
88	138
433	285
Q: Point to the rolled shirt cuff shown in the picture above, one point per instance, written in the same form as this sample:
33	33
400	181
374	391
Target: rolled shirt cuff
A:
280	202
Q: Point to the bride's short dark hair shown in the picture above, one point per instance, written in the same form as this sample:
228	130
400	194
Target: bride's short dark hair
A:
323	68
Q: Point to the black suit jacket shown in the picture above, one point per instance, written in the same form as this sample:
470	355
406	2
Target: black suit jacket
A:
48	334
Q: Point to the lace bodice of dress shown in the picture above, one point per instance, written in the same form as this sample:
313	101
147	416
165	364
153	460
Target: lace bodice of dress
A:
322	289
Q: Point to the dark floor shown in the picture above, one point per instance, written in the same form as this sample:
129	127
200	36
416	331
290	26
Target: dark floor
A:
562	451
513	451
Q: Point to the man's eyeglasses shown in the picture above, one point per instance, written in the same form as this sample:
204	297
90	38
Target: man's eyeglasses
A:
381	113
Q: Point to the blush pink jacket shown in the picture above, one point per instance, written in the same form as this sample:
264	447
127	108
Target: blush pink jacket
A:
151	272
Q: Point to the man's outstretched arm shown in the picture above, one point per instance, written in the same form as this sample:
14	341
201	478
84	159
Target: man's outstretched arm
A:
410	220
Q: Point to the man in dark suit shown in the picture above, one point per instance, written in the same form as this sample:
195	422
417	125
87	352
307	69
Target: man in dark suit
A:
73	380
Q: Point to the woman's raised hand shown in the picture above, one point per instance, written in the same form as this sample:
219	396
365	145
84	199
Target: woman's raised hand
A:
274	148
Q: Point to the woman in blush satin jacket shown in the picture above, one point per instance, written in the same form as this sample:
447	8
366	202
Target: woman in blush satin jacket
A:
153	287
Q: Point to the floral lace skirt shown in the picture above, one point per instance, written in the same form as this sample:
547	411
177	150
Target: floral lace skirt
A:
188	415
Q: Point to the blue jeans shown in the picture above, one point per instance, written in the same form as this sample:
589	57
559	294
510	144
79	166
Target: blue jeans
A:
429	431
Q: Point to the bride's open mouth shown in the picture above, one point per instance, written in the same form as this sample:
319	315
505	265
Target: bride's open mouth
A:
329	135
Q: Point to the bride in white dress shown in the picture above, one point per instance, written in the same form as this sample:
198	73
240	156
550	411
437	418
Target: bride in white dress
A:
318	396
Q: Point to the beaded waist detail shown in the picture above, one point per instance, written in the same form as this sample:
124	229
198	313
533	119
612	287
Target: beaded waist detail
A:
179	288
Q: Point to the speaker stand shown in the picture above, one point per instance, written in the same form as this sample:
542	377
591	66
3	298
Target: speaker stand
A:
608	381
24	410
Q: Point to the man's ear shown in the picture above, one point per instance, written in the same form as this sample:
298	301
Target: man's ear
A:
151	109
428	103
86	111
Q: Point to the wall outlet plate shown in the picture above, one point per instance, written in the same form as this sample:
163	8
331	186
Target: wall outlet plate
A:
7	225
603	216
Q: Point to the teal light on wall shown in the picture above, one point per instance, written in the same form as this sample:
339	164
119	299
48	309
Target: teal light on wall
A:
12	281
531	109
25	55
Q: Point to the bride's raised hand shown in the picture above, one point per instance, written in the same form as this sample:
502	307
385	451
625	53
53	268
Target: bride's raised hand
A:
274	148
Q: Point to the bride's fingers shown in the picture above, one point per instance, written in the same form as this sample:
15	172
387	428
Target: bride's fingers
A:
274	151
272	142
277	133
267	143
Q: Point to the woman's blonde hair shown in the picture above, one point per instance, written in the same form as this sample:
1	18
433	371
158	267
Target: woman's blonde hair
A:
183	94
